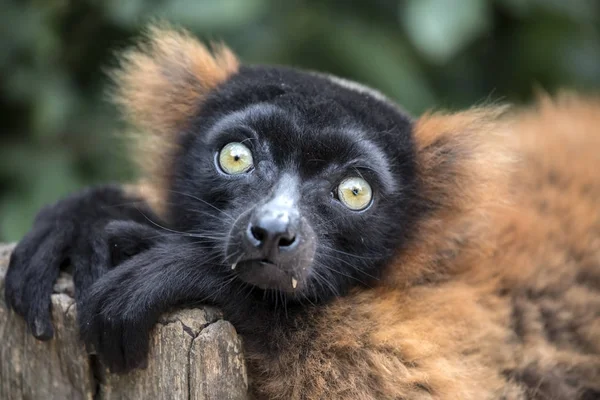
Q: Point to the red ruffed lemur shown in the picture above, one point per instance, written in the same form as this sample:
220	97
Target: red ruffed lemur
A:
360	253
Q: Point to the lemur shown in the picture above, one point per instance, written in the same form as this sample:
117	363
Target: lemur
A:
361	253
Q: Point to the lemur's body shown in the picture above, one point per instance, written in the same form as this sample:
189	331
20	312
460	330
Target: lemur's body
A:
458	256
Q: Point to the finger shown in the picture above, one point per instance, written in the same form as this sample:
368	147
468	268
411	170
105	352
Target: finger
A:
90	326
18	267
111	351
43	270
91	260
136	343
13	284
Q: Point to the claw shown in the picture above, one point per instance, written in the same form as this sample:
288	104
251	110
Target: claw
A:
294	283
233	265
41	330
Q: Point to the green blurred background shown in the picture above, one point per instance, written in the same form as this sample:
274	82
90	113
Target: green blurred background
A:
58	132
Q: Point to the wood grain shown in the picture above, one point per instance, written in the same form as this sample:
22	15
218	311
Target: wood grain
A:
194	355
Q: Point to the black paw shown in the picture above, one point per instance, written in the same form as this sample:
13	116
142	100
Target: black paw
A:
33	268
114	322
89	232
120	309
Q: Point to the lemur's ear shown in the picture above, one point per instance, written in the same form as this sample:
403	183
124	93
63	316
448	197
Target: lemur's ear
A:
161	83
160	86
463	158
464	162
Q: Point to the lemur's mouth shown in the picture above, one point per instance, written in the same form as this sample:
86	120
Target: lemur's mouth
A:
263	261
266	274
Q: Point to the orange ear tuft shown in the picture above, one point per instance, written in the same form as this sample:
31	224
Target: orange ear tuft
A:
464	164
159	87
161	83
463	158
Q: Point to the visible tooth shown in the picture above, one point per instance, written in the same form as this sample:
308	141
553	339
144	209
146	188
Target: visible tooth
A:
294	283
233	265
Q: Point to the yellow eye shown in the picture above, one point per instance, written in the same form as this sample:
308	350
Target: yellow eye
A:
355	193
235	158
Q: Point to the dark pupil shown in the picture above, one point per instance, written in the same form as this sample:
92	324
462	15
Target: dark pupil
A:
236	158
355	191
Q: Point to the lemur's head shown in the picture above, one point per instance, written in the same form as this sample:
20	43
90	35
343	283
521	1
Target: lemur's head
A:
305	179
295	181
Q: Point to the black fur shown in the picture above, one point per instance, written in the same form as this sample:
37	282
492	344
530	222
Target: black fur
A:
302	128
89	233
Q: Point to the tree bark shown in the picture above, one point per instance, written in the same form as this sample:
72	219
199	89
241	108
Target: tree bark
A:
194	355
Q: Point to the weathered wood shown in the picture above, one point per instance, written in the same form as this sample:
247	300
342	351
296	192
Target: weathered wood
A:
215	349
194	355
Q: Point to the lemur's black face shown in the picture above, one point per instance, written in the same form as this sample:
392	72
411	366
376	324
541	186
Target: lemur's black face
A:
297	182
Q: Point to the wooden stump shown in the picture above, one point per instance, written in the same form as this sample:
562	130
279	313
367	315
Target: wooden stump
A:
194	355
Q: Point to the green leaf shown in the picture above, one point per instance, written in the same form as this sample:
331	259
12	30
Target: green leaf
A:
199	15
441	28
383	61
55	179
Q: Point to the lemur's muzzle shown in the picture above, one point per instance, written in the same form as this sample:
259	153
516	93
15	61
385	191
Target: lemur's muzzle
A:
277	244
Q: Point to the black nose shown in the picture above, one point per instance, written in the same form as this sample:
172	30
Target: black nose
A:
272	230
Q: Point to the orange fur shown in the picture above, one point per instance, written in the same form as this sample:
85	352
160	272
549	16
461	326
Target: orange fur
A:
464	164
498	294
501	307
160	86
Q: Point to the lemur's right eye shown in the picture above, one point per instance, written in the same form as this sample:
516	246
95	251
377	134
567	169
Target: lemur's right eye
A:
235	158
355	193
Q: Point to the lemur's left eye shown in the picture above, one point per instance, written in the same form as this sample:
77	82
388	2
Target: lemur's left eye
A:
355	193
235	158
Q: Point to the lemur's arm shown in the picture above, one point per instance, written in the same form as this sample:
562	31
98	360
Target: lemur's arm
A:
93	231
82	230
90	232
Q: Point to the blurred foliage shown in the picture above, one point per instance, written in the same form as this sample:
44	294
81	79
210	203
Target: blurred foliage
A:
58	131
